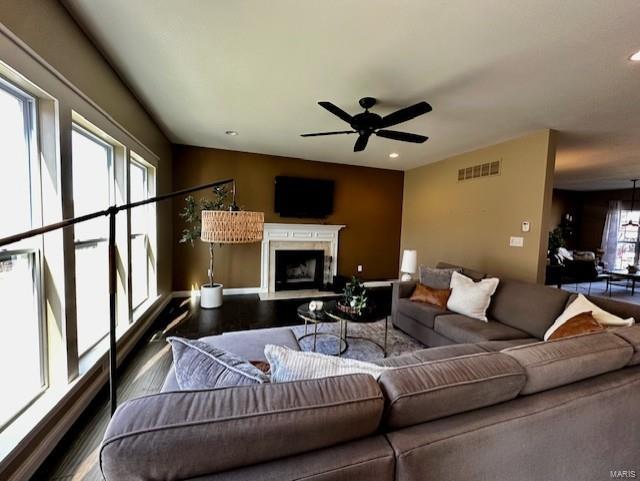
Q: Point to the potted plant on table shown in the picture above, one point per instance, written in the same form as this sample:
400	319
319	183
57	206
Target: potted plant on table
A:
354	298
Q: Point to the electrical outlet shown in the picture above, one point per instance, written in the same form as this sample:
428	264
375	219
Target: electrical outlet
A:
360	268
516	242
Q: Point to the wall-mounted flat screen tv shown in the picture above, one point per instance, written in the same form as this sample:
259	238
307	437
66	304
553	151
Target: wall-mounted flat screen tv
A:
301	197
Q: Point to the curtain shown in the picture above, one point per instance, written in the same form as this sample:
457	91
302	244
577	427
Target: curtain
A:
610	233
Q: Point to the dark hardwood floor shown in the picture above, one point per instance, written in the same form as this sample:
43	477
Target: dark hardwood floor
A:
76	456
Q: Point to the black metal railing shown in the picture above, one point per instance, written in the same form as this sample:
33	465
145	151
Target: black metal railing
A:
111	213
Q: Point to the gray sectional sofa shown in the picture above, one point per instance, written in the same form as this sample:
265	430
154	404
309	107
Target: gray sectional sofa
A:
519	313
490	404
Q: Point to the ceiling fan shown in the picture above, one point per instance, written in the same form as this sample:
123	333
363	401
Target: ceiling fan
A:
367	123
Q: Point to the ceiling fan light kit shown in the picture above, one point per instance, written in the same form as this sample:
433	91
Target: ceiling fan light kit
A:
368	123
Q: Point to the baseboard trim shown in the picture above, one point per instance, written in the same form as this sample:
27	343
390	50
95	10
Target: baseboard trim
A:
229	291
378	283
66	412
234	291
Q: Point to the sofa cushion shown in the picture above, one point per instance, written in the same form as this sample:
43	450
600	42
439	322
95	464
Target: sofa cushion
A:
463	329
431	354
581	304
437	278
473	274
495	346
582	323
532	308
469	297
423	313
435	389
247	345
429	295
288	365
573	433
555	363
201	366
212	430
369	458
632	336
419	331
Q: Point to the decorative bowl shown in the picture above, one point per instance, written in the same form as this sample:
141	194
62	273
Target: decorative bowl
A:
348	309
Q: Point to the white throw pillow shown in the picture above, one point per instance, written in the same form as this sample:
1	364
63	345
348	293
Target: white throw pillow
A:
582	304
289	365
471	298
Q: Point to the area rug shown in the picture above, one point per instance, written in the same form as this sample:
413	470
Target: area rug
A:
360	334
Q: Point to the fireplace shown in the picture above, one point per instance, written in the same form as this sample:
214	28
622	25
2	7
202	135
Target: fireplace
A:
299	269
297	237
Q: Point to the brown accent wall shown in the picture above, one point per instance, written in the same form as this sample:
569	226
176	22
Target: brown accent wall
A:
368	201
593	214
470	222
566	202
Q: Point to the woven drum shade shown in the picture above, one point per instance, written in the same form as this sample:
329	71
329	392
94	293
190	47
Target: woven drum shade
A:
232	226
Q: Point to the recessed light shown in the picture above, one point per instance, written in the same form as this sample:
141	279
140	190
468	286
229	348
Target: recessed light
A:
635	57
394	155
231	132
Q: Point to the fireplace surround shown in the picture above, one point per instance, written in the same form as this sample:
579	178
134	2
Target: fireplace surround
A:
300	237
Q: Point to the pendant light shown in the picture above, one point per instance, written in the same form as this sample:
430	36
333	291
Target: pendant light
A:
631	223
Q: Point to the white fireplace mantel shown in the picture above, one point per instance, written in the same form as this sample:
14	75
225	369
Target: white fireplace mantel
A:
277	232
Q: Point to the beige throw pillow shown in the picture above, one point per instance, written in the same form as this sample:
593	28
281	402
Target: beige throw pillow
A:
471	298
582	304
289	365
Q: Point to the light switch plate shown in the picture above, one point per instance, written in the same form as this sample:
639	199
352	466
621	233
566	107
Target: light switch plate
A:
526	226
359	267
516	242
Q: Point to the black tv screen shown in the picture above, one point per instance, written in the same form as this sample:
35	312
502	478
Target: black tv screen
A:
300	197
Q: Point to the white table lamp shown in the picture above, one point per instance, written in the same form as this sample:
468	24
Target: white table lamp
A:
409	264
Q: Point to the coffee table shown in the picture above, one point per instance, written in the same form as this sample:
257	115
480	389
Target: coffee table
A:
622	274
371	314
317	318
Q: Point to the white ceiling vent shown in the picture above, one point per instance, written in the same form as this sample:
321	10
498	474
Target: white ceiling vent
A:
481	170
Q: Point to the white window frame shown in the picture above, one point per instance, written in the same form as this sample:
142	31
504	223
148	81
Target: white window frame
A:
34	245
134	162
75	127
150	237
635	243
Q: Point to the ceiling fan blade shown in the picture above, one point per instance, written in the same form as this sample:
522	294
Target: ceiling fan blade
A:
361	143
405	114
337	111
403	136
329	133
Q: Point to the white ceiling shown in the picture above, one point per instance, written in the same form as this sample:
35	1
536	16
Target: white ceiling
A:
491	69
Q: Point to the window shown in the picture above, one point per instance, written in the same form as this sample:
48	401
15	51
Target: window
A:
92	161
628	247
139	190
22	358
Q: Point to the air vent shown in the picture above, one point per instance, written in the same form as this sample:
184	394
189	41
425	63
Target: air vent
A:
481	170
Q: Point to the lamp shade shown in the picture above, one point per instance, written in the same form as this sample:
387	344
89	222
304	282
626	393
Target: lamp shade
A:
409	261
231	226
